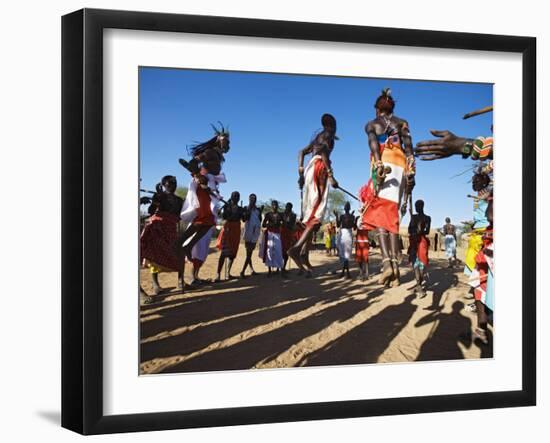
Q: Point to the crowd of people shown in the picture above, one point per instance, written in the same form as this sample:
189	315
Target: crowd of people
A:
280	236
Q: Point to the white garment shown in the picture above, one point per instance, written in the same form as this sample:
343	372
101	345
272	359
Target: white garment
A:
314	204
202	247
252	227
344	243
191	202
271	249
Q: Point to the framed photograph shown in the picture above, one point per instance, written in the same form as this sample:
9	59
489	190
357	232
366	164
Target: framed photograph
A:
269	221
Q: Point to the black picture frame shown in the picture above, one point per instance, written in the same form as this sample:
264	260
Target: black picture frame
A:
82	218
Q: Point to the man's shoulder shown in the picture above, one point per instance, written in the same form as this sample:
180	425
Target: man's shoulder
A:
373	126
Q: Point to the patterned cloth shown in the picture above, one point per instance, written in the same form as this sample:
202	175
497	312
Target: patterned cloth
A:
158	240
314	202
450	246
482	148
482	276
382	210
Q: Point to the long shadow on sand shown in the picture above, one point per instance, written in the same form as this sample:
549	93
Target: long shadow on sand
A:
447	331
267	346
366	342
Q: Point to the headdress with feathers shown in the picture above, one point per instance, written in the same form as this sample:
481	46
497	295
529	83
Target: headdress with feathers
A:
198	147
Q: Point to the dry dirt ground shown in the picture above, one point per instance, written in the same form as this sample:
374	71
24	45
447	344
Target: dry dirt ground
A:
262	322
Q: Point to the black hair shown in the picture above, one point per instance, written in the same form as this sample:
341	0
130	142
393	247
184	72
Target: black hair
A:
169	178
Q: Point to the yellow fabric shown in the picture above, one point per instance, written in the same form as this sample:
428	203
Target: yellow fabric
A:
475	244
155	268
327	240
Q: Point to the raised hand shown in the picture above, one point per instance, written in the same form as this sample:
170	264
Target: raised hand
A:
446	145
158	188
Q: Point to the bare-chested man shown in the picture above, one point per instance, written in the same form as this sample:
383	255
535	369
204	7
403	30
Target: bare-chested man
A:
449	232
288	228
392	173
200	206
252	217
346	223
419	245
230	235
314	181
271	250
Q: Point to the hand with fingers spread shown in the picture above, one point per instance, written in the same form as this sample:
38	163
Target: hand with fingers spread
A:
446	145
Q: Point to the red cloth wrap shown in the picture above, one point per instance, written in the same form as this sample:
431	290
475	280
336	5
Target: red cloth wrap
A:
158	240
362	246
229	238
204	213
287	239
418	248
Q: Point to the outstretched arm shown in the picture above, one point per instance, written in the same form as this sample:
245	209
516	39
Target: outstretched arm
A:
446	145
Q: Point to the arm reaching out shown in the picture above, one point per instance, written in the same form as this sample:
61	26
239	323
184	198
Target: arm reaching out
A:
446	145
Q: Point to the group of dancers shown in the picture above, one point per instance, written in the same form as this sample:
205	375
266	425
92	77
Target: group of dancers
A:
383	200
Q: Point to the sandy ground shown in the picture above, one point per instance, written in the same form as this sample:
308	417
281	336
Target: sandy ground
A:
262	322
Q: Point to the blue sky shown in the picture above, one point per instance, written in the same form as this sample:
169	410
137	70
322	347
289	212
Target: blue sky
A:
272	116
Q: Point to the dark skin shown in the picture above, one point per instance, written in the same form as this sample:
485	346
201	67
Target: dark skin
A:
273	220
389	124
480	181
289	222
450	229
345	221
231	212
363	267
323	144
446	145
164	200
250	246
210	159
419	225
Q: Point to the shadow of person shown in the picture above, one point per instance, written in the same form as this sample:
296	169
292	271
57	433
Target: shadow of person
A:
448	330
367	341
443	279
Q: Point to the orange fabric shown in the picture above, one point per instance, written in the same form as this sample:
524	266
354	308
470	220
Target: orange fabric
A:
362	246
229	238
204	213
382	213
